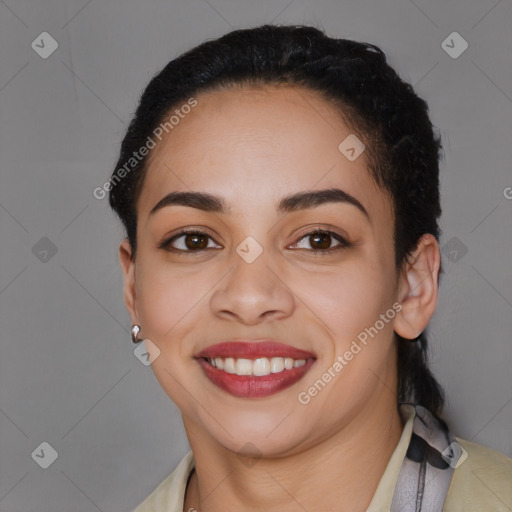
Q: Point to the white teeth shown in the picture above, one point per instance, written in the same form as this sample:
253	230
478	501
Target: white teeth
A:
257	367
244	367
229	365
276	364
261	367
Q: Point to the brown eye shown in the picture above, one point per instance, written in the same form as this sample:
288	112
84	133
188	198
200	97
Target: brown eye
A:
321	242
195	241
188	241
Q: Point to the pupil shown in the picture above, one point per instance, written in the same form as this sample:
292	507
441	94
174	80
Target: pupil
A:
323	236
194	244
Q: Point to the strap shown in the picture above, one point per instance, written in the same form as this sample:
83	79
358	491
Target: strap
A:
427	469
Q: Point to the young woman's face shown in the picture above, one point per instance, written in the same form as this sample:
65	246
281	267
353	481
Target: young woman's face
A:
252	274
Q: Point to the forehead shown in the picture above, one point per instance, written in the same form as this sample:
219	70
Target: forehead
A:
253	145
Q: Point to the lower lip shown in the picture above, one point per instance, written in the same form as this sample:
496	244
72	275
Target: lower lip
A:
249	386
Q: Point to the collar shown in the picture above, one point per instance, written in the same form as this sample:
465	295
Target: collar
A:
416	477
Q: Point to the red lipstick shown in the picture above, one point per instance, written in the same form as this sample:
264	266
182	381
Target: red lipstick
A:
253	386
253	350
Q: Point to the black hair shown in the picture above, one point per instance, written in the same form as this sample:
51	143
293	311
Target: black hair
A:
402	150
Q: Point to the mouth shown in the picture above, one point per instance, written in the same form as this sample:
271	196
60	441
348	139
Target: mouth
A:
254	369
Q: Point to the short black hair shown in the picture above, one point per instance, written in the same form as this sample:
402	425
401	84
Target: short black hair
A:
402	148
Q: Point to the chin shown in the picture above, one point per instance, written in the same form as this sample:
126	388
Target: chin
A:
256	436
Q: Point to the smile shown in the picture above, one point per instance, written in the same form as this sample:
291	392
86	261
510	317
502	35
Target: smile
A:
259	367
266	369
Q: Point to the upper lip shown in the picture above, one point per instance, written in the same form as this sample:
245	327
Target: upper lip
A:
253	349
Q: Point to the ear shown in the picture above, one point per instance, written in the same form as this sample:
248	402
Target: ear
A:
128	267
418	288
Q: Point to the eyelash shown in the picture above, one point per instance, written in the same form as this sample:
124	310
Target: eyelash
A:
166	245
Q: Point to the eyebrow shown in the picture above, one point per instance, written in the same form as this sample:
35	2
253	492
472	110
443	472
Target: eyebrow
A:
292	203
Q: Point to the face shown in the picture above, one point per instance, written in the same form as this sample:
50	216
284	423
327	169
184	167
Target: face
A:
314	278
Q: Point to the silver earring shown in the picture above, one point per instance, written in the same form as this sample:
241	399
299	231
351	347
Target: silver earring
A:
135	332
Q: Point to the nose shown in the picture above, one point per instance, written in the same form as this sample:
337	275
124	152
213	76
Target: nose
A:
253	291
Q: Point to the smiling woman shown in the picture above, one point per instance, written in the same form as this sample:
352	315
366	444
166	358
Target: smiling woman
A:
282	243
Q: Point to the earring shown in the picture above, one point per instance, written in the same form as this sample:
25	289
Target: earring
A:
135	332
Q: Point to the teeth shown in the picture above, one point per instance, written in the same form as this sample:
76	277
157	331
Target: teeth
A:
261	367
276	364
244	367
257	367
229	365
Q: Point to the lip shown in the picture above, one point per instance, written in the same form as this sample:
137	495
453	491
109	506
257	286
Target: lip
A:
253	349
250	386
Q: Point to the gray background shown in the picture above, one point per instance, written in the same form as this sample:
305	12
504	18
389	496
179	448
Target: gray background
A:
68	373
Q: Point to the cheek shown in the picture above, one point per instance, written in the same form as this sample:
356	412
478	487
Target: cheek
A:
348	298
358	346
169	303
349	302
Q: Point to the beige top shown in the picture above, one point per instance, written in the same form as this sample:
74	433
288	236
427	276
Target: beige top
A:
482	483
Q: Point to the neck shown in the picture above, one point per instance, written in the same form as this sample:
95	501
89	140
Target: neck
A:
339	473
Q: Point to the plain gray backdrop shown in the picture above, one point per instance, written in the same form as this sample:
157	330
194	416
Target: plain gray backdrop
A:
69	376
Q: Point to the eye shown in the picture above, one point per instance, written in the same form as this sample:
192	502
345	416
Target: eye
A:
188	241
196	241
320	241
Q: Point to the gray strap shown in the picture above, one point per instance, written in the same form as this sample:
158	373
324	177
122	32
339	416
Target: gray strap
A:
427	469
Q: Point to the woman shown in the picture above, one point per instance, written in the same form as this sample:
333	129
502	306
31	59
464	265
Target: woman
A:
280	194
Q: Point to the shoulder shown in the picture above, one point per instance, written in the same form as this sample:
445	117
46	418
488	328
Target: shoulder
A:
482	481
170	494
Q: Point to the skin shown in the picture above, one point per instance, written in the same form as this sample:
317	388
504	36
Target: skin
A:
252	146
